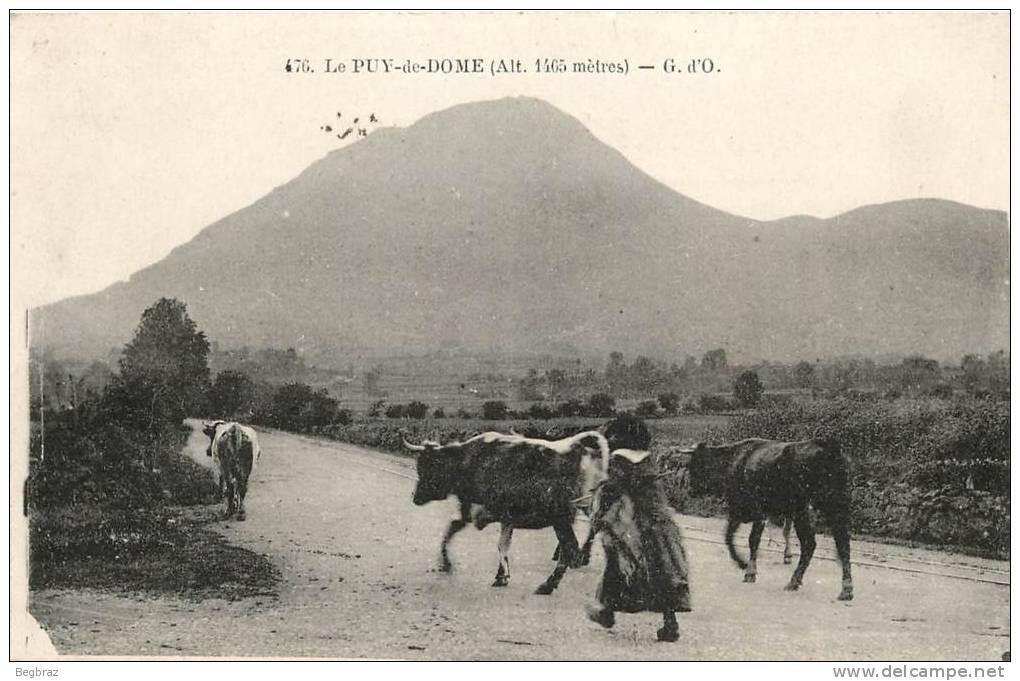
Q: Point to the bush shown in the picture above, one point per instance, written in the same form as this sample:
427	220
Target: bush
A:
600	405
298	408
439	413
540	411
647	409
494	410
712	403
395	411
570	408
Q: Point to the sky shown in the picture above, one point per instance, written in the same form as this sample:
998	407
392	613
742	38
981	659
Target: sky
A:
130	133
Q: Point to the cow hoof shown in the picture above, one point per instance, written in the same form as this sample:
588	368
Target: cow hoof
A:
603	617
792	586
501	581
668	634
241	516
750	579
787	560
544	590
846	595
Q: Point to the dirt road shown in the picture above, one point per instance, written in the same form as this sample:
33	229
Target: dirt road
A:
358	559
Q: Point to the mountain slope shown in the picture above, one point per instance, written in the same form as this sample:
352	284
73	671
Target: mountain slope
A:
507	226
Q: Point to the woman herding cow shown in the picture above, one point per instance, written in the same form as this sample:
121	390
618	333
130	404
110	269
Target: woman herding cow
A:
646	566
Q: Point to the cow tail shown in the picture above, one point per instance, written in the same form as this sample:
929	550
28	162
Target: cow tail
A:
600	440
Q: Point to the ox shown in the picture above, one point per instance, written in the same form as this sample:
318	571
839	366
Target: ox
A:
762	479
517	481
236	449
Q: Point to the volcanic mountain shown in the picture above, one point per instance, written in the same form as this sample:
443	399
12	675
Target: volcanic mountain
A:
506	226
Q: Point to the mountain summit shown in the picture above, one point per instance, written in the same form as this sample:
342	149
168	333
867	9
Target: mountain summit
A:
507	226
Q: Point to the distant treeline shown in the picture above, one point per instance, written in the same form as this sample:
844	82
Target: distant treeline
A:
277	388
644	376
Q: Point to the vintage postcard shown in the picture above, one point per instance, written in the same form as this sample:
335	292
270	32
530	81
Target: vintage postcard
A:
511	336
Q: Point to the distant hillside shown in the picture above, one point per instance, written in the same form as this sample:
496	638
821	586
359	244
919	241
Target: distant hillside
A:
506	226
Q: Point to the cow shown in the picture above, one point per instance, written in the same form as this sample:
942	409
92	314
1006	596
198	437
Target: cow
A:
236	449
763	479
517	481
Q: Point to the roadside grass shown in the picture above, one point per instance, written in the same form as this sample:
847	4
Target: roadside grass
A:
163	553
131	527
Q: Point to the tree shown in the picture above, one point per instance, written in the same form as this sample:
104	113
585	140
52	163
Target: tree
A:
616	369
230	391
644	374
372	377
556	378
748	389
164	370
290	405
670	403
416	410
804	374
714	360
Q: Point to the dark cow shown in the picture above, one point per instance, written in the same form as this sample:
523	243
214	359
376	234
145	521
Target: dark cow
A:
236	449
762	479
517	481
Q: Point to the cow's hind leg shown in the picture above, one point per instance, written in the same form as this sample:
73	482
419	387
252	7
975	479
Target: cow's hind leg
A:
506	533
586	549
806	536
231	495
242	490
568	550
787	550
839	521
751	571
731	529
456	525
584	557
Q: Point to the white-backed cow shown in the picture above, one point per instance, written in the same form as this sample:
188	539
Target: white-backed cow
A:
517	481
762	479
237	450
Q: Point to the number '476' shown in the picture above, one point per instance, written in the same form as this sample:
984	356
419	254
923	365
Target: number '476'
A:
297	66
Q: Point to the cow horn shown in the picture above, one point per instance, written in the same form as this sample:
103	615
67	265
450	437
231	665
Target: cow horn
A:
413	448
